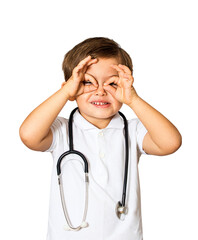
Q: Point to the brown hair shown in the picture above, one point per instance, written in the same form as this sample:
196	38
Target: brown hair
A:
96	47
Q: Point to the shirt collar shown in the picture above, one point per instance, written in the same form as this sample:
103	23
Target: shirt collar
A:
81	122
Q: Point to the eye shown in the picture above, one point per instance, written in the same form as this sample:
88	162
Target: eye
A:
113	84
87	82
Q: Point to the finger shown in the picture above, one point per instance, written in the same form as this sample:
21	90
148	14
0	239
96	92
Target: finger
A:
111	80
125	68
117	68
128	77
92	61
91	79
77	69
86	63
85	60
82	63
110	89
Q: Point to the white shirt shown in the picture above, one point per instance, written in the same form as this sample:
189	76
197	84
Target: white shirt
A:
104	150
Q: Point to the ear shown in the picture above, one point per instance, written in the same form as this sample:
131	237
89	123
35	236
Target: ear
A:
63	84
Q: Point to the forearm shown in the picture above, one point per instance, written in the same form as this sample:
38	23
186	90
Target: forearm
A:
36	126
162	132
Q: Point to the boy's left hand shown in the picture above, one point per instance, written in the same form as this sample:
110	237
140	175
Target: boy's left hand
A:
122	88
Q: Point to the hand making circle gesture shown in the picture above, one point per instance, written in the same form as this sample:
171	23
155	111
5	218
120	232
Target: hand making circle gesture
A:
75	84
123	89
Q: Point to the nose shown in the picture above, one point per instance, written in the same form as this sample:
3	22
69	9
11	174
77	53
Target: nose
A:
100	91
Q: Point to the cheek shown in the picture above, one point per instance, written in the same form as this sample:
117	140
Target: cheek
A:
82	98
118	105
114	100
79	99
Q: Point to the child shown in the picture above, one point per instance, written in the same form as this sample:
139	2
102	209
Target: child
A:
99	76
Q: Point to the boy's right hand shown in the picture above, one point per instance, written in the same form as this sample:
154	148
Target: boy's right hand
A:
75	86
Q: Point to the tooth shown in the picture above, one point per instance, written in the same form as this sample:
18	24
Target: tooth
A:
100	103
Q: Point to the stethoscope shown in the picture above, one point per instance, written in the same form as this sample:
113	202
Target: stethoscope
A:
121	209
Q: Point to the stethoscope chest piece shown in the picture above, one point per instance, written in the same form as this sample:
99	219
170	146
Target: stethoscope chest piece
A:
121	211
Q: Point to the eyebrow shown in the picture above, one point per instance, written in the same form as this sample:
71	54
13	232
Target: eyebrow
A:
107	77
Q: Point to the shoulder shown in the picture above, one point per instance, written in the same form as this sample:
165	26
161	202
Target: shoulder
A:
59	122
59	127
135	123
136	127
137	131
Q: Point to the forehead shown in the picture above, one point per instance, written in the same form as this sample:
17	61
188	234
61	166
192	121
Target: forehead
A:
103	66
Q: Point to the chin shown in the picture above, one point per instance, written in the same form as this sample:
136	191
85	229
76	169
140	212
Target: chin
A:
104	115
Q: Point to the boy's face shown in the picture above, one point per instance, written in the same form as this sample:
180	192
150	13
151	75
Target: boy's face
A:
99	115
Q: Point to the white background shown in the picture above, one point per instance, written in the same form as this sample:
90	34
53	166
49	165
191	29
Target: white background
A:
161	37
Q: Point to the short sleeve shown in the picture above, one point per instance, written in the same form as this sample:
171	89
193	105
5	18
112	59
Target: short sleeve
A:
141	132
59	130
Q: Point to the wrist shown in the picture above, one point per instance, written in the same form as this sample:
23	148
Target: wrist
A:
134	101
133	98
64	92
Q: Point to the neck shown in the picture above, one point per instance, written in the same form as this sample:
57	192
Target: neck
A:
99	123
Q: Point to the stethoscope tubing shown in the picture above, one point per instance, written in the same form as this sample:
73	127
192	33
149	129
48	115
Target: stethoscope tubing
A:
120	207
126	158
71	148
71	152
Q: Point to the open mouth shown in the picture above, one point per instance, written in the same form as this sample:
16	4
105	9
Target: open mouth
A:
100	104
